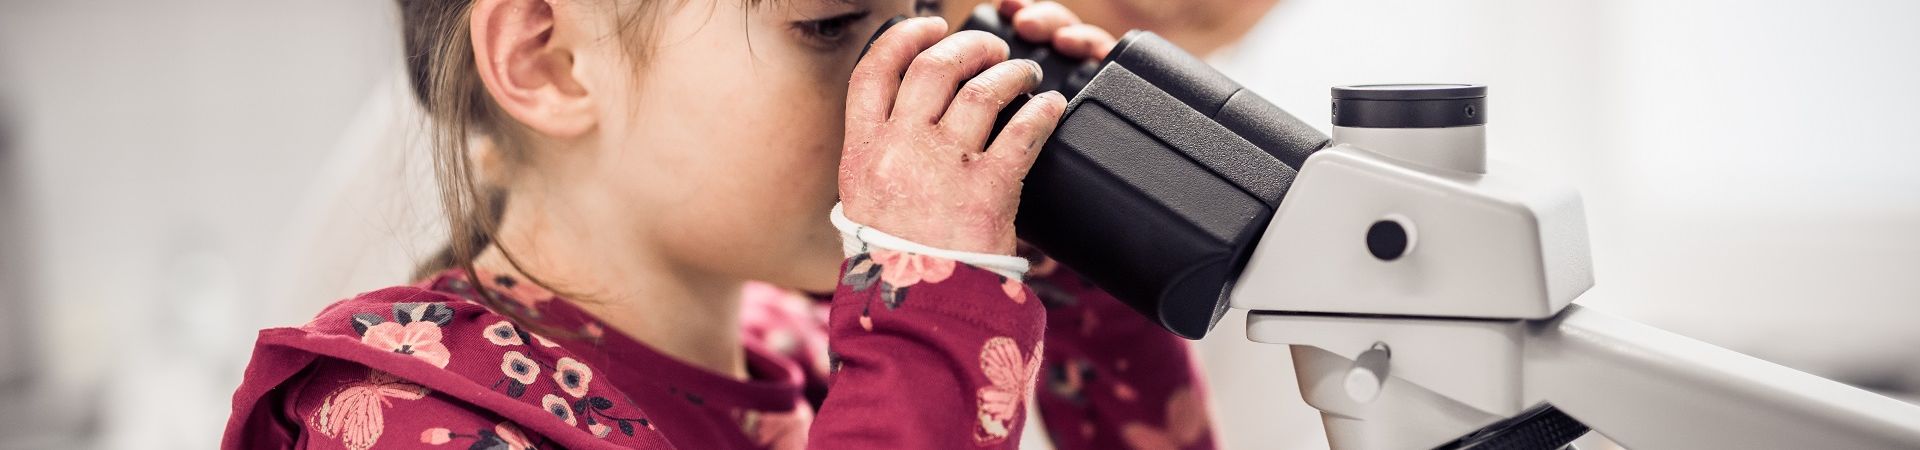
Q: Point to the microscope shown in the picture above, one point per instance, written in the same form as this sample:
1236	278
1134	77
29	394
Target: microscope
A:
1427	296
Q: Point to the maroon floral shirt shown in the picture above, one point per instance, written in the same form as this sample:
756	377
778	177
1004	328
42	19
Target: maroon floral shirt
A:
925	353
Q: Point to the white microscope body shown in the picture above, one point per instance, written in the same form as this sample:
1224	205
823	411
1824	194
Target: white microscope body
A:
1428	297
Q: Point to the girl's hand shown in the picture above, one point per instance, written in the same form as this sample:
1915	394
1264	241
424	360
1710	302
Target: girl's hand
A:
917	163
1053	24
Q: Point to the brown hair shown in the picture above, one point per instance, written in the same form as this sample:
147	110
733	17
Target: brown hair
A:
440	66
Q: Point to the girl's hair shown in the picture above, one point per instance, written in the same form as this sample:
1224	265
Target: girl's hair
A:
440	66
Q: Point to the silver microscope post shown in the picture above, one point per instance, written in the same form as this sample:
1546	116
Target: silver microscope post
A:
1638	385
1428	294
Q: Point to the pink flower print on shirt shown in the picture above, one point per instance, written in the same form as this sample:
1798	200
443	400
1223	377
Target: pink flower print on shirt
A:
894	272
903	269
503	334
1186	425
414	331
518	367
529	295
436	436
511	436
1014	289
572	376
559	408
420	339
1001	404
503	436
356	413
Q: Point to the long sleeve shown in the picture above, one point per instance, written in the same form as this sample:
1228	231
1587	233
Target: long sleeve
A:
1110	378
347	406
928	352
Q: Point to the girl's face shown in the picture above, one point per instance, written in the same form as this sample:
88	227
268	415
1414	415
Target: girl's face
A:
724	133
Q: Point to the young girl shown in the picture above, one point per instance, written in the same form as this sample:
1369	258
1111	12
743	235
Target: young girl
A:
617	172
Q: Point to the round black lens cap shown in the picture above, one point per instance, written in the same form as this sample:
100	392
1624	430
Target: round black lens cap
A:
1412	105
1409	91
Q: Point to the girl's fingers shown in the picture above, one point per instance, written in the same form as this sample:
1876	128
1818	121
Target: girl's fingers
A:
1008	8
980	100
937	72
876	79
1084	41
1017	145
1039	21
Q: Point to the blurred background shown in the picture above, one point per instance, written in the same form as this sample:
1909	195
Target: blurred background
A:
176	175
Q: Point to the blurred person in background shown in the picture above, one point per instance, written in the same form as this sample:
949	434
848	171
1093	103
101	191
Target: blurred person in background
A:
636	192
1201	27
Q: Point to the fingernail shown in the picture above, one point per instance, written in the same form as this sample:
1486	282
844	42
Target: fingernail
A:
1038	74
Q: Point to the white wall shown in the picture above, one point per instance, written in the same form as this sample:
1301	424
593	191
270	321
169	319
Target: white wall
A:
163	146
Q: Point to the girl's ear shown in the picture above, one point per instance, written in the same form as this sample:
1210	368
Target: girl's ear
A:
527	69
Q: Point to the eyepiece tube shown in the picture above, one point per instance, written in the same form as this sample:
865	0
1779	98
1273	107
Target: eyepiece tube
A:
1160	178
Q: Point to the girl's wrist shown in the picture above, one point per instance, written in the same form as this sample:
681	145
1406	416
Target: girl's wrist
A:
857	238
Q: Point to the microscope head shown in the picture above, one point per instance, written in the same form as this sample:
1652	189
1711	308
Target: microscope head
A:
1166	183
1400	215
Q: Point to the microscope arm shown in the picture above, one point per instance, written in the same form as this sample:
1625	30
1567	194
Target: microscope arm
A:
1649	388
1416	382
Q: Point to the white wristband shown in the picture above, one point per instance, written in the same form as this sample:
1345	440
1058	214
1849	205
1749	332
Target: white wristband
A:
856	239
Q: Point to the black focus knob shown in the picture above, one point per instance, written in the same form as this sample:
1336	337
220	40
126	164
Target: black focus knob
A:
1409	105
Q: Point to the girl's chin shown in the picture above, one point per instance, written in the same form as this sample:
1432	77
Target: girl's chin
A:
816	288
821	277
815	272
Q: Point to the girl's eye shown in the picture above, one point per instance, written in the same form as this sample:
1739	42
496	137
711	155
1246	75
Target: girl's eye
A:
832	31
